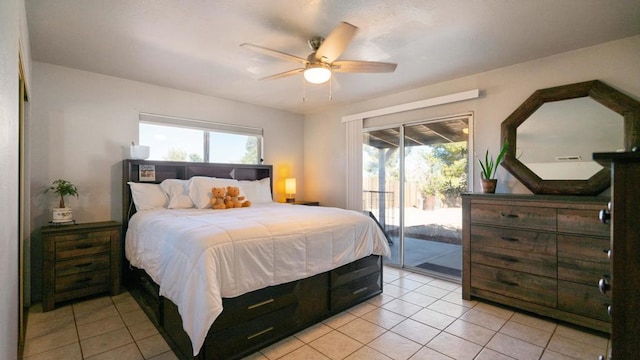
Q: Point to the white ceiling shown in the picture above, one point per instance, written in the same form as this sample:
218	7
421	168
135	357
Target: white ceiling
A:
194	45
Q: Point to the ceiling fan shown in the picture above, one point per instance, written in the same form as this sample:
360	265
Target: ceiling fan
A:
319	65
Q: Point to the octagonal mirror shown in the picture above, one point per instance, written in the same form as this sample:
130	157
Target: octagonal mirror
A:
554	133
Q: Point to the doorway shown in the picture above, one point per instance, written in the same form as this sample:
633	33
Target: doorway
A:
413	178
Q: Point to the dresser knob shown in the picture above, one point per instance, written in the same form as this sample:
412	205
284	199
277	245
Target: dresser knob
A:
609	310
605	216
604	286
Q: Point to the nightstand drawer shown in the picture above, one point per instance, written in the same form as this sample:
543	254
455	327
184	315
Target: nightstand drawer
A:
81	265
98	279
82	244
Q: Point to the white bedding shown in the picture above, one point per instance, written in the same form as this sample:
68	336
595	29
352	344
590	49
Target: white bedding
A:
199	256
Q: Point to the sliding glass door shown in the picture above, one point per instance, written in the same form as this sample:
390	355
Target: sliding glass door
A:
413	177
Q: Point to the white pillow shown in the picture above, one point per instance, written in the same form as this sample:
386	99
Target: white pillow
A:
258	191
148	196
178	191
200	189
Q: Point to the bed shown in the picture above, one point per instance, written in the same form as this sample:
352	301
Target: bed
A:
221	284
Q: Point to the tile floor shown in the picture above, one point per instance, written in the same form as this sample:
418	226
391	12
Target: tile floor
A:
416	318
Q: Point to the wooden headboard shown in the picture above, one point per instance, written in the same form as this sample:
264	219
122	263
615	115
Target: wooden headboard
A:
184	170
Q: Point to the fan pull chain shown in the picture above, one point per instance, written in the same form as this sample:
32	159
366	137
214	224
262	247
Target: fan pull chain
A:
304	88
330	82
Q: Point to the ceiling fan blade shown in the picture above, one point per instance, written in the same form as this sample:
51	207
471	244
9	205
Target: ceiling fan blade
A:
283	74
336	42
274	53
362	66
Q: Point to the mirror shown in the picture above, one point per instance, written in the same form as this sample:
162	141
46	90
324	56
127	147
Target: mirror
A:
554	133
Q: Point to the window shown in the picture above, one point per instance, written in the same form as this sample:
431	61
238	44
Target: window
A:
178	139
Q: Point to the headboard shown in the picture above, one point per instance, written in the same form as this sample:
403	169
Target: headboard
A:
184	170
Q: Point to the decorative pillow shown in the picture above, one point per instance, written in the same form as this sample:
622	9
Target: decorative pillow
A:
258	191
178	191
200	189
148	196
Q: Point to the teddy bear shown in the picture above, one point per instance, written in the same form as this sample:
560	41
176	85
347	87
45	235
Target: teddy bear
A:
234	200
218	198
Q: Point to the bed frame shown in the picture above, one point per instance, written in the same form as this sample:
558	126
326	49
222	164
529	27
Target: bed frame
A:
257	319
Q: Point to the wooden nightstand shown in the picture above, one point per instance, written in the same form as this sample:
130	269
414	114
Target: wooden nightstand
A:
80	260
308	203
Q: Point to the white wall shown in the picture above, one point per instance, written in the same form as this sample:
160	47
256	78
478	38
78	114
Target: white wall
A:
13	37
502	91
83	123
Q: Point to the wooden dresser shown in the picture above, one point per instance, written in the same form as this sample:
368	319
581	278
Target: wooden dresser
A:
623	287
543	254
80	260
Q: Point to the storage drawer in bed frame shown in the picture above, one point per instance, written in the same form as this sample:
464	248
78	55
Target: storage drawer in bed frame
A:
262	317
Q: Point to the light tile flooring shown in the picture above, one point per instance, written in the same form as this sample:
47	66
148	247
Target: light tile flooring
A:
416	318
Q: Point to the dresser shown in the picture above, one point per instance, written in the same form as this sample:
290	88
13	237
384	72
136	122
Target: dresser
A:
80	260
623	286
543	254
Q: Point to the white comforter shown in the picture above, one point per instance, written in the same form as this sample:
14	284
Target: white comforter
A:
200	256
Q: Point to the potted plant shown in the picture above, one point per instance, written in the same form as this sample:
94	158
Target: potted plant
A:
62	188
489	168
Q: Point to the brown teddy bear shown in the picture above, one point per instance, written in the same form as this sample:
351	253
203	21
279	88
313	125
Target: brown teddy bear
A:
234	200
218	198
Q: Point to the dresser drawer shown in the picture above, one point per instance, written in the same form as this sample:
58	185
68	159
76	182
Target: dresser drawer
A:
524	261
241	309
583	300
355	270
581	221
344	295
531	288
508	238
584	272
527	217
83	244
584	248
81	265
99	278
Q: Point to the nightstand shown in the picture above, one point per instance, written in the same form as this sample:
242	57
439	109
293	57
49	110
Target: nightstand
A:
80	260
308	203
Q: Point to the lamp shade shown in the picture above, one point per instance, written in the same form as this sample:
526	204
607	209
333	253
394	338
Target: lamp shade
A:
317	73
290	185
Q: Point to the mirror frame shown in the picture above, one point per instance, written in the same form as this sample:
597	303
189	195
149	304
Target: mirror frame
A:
604	94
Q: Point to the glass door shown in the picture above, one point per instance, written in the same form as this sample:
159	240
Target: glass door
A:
381	184
413	178
435	177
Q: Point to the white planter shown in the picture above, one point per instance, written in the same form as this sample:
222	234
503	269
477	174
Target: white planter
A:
62	215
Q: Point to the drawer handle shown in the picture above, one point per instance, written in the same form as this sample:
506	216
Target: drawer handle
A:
84	246
257	305
260	333
509	283
83	280
508	259
511	239
510	216
360	290
603	286
84	265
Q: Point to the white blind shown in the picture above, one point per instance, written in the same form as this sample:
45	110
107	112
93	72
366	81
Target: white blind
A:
199	124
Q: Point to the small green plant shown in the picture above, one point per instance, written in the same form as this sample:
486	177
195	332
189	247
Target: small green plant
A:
489	167
63	188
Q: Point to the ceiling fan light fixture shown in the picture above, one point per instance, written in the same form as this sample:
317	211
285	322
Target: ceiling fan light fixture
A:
318	73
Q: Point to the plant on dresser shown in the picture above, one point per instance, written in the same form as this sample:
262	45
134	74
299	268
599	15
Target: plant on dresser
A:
543	254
